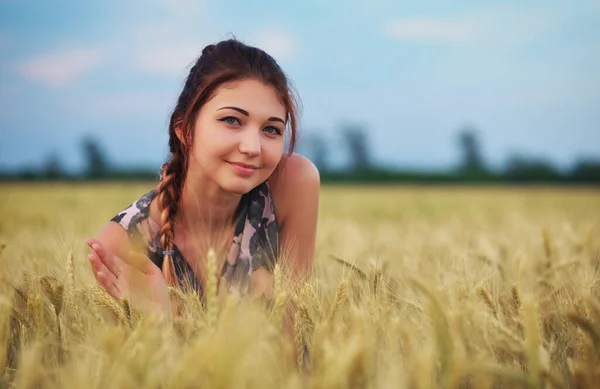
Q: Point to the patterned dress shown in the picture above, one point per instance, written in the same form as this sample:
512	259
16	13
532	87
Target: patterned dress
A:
254	243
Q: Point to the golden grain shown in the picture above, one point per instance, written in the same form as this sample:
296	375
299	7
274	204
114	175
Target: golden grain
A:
428	288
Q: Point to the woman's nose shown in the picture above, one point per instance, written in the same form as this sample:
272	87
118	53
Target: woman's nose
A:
250	143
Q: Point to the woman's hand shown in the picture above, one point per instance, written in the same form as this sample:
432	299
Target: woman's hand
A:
134	277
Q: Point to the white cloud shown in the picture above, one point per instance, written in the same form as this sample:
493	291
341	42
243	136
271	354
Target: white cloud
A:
168	47
170	44
173	59
60	68
504	25
278	43
186	4
431	29
129	104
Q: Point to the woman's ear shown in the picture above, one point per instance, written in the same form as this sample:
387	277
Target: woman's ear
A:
180	135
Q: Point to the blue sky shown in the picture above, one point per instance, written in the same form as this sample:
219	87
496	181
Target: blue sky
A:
526	74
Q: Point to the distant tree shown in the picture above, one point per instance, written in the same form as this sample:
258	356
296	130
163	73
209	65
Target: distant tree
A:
472	160
53	167
27	173
357	145
314	146
96	163
586	170
522	168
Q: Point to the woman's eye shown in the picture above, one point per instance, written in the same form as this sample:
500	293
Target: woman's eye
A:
273	130
230	120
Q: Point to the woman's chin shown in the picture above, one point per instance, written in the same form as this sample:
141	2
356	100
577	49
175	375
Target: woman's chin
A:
239	186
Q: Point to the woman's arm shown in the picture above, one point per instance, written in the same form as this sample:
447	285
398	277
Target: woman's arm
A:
126	274
111	244
295	192
296	200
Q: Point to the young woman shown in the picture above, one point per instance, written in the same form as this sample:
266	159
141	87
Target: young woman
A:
228	185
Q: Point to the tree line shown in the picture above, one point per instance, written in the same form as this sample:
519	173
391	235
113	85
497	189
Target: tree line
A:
471	168
360	165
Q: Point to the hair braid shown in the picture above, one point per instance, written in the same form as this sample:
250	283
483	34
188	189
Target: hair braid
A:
169	192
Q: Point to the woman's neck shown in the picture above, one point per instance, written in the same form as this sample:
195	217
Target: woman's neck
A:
204	205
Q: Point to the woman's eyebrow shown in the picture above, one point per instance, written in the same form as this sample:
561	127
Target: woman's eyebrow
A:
275	119
244	112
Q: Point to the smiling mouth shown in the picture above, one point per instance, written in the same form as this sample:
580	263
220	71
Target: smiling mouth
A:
244	165
243	169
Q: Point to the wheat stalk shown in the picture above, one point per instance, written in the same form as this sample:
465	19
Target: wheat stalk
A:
515	302
70	271
103	299
360	273
277	280
5	327
532	341
211	291
487	299
589	328
299	322
127	312
309	295
280	297
55	293
340	298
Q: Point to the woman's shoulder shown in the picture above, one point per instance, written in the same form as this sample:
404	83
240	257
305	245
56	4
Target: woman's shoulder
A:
296	178
123	231
136	212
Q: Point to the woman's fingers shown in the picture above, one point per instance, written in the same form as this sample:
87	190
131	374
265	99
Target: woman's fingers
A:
97	265
107	281
91	241
110	260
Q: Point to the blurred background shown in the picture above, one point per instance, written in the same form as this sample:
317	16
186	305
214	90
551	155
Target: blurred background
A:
436	91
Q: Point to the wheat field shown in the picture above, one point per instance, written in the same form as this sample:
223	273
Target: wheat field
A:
413	287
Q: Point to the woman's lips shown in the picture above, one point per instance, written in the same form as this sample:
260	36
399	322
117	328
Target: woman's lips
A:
243	169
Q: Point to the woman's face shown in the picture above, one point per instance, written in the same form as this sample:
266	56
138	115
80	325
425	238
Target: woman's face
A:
239	135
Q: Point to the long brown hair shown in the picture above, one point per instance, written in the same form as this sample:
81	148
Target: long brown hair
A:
226	61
